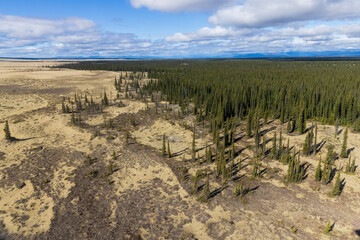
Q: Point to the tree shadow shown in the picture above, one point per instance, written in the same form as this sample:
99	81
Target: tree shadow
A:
14	139
253	189
237	178
239	152
199	149
332	226
309	128
238	138
342	185
340	131
265	131
320	145
350	150
357	232
305	166
262	172
179	153
217	191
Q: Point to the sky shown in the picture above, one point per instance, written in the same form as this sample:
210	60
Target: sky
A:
179	28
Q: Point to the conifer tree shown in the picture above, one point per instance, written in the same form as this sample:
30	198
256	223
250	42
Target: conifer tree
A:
115	84
280	145
168	149
63	109
343	153
306	145
127	137
206	191
249	124
350	166
210	155
328	228
325	175
302	122
105	99
163	150
7	131
274	148
337	186
318	172
315	139
73	118
337	127
296	171
263	145
195	186
293	125
193	150
232	153
289	126
257	134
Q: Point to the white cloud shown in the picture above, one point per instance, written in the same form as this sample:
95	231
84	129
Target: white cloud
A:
180	5
207	33
263	13
259	40
27	27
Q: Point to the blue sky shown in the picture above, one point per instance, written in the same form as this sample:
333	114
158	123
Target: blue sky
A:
173	29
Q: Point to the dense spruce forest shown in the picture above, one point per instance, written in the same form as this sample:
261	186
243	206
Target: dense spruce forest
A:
326	91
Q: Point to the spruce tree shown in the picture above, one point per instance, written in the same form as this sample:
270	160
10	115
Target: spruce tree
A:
315	139
7	131
163	150
105	99
274	148
206	191
168	149
127	137
73	118
63	109
325	175
302	122
249	124
337	186
193	149
328	228
289	126
318	172
195	186
343	153
280	145
306	145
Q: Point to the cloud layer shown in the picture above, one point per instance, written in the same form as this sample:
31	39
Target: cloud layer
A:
71	37
263	13
235	27
180	5
279	26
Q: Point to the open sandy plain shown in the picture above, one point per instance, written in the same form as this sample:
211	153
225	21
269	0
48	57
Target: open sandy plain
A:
60	181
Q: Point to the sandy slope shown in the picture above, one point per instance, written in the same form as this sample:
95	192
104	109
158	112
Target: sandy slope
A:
146	195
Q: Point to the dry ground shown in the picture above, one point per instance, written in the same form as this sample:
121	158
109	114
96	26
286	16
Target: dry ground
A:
49	189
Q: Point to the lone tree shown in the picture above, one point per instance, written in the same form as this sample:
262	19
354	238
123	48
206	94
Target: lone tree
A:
193	149
337	186
318	172
163	150
7	131
343	153
168	149
206	192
